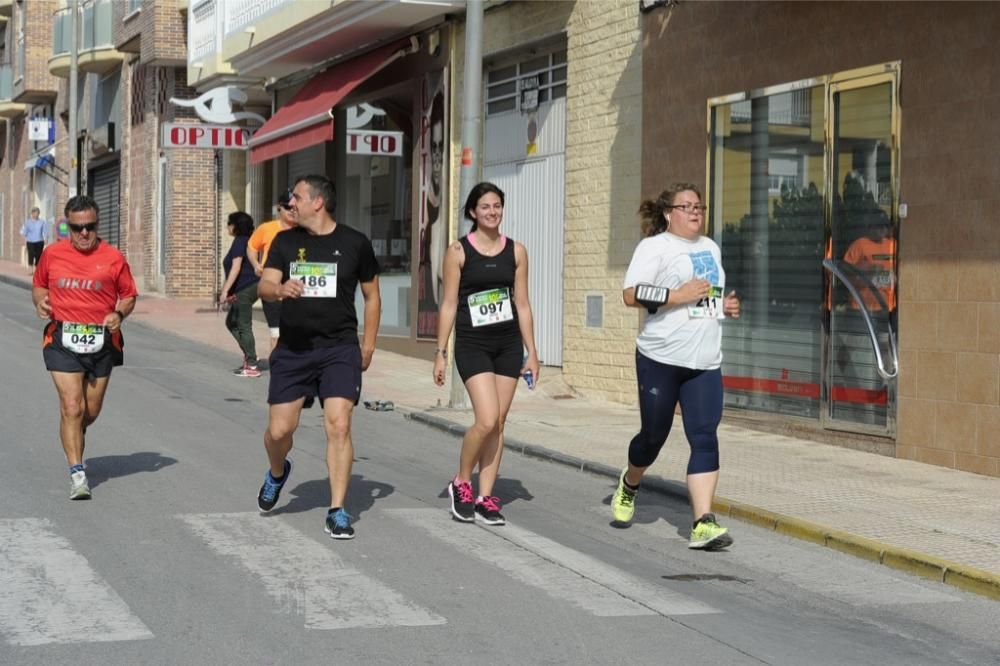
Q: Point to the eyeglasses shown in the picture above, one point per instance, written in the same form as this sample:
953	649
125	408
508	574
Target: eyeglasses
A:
691	209
92	226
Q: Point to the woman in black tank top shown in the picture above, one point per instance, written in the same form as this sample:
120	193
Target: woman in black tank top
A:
485	298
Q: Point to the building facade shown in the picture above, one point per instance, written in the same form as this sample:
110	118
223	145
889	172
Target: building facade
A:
850	173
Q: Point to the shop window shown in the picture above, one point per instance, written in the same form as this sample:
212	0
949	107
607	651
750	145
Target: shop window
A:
797	172
375	198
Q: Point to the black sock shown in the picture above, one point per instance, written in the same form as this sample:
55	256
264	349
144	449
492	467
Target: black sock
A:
333	510
277	479
628	485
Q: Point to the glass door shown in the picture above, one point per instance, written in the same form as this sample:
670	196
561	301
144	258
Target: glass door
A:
859	385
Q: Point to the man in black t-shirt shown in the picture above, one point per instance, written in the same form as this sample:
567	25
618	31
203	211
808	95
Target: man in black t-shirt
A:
315	269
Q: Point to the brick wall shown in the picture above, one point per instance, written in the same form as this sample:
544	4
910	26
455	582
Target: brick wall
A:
158	32
37	83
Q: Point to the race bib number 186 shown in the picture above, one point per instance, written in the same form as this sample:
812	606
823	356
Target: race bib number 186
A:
319	280
82	338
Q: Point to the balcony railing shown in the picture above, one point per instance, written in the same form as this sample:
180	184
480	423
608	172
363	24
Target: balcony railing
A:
241	13
97	52
8	107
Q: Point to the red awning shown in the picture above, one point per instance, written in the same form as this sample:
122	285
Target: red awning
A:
307	118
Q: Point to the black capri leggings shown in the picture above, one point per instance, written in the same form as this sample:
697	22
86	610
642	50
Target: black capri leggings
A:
661	386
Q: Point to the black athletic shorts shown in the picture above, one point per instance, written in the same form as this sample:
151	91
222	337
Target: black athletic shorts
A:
503	356
324	372
272	313
98	364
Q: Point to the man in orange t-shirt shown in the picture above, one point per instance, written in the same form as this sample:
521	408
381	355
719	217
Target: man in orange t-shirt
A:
84	288
257	249
875	256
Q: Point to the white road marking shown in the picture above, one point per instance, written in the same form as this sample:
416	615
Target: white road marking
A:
561	572
307	577
50	594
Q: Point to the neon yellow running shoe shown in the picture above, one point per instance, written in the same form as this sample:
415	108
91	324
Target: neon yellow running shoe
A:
707	534
623	501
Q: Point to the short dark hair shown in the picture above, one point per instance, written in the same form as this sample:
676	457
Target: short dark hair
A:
321	186
242	221
475	194
80	203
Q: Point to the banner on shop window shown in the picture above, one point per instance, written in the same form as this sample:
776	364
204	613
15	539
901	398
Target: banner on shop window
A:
369	142
433	211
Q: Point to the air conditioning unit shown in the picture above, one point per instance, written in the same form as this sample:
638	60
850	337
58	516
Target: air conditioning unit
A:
102	140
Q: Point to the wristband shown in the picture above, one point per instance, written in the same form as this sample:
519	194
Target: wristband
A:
121	315
441	350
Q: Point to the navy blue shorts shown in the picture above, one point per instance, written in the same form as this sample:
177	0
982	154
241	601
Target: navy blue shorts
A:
98	364
323	372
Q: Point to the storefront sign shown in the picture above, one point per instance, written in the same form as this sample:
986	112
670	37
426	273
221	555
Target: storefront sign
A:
219	137
369	142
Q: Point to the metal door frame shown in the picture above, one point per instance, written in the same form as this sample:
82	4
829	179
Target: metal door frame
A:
838	83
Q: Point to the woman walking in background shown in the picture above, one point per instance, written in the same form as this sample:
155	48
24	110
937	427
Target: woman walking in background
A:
240	292
676	275
485	297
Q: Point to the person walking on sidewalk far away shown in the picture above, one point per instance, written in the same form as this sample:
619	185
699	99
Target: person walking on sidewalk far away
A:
485	297
257	249
239	291
676	275
315	269
34	230
84	287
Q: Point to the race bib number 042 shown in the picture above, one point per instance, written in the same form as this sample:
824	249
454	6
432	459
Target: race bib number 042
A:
490	307
83	338
709	307
319	280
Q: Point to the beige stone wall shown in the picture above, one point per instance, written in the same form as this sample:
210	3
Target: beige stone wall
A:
603	169
603	134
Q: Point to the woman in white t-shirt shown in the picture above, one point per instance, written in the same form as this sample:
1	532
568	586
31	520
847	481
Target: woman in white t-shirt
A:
676	275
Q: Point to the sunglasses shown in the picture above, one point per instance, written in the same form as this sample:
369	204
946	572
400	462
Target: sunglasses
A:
92	226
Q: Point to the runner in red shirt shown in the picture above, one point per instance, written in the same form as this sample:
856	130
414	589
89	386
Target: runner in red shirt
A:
84	287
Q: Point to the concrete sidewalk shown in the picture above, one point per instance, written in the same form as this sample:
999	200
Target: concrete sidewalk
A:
935	522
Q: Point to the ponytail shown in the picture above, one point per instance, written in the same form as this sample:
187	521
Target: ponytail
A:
651	211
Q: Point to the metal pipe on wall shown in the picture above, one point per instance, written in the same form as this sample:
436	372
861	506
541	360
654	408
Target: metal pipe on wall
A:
472	106
73	93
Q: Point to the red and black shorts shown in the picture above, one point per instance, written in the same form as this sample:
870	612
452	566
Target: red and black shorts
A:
98	364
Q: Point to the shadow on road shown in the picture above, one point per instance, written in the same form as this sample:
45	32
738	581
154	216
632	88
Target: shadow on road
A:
361	496
104	468
508	490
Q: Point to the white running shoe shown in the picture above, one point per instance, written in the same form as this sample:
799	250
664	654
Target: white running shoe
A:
79	489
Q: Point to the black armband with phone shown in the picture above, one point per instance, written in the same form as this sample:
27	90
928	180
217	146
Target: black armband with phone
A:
650	297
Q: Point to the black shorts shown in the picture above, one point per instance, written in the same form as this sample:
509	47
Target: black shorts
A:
324	372
35	252
98	364
272	313
503	356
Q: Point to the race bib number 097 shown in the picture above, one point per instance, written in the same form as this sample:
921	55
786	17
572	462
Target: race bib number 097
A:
83	338
319	280
709	307
490	307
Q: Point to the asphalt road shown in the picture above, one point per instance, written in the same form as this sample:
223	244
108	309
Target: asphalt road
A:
170	562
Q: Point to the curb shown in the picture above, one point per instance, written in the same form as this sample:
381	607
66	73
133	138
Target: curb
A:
17	282
970	579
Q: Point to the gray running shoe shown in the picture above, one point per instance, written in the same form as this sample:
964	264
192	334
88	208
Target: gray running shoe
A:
78	487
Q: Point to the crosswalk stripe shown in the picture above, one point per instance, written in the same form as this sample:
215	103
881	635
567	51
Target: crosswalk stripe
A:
50	594
306	577
561	572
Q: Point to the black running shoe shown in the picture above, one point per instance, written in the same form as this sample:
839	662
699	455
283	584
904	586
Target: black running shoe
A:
271	490
338	525
488	511
462	501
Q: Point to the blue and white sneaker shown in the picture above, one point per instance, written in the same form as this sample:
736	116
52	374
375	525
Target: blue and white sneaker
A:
338	525
271	490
